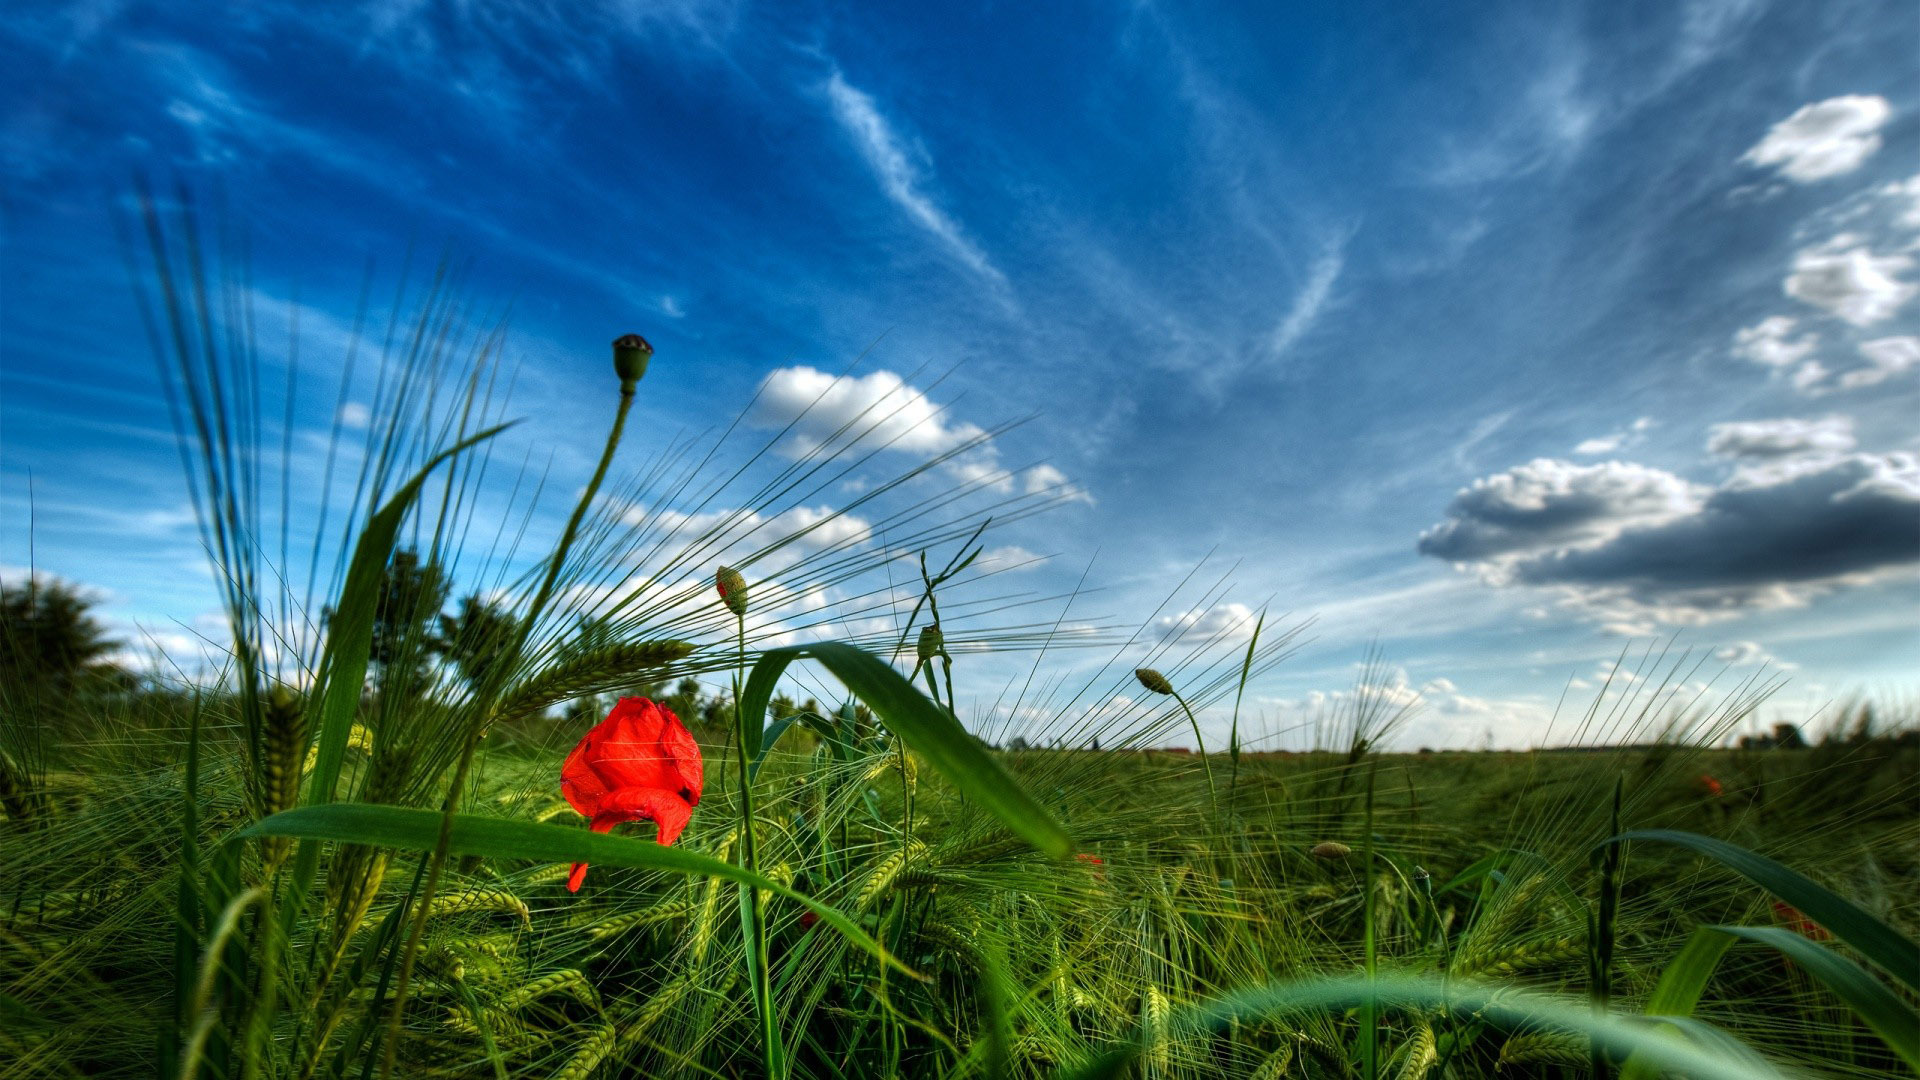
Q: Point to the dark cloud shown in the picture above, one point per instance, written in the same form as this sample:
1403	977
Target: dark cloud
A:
1548	504
1853	516
1770	535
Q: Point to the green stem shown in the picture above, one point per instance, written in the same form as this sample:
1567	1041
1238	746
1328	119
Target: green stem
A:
477	725
1600	938
753	923
1212	792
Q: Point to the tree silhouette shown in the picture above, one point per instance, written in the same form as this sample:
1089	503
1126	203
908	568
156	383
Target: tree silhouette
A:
477	639
411	595
48	637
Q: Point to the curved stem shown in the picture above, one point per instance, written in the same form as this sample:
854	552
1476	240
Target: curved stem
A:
1201	744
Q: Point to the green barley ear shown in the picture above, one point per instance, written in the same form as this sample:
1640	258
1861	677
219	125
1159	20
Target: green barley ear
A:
285	743
1153	680
1330	851
590	673
630	355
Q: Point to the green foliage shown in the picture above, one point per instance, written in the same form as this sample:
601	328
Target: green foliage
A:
48	635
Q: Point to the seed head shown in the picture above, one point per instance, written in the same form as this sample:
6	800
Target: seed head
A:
932	642
1153	680
630	356
1331	851
732	588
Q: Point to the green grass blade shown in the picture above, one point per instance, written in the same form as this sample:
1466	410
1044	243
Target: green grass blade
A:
1878	1007
924	726
418	829
343	664
1499	1002
1682	981
1879	943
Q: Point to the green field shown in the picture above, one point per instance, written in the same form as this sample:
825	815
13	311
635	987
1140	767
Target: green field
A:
342	849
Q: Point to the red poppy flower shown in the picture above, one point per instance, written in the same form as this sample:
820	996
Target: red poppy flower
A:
1797	922
639	764
1709	785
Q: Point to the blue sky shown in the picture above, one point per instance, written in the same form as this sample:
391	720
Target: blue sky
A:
1507	336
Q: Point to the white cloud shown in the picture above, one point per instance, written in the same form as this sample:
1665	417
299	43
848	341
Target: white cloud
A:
1312	297
1748	654
879	406
1785	437
1047	479
899	175
1825	139
1007	558
1845	278
799	531
1222	622
1607	444
1886	357
1907	191
355	415
1548	504
1765	343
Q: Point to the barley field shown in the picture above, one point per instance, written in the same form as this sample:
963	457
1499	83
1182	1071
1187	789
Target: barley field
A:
355	843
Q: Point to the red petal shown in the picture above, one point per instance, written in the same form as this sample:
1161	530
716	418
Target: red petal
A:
664	808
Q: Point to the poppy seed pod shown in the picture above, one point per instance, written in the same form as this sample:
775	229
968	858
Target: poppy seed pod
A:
732	588
1153	680
1331	850
630	356
932	642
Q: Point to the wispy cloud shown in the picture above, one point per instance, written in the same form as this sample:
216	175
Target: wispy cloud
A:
1312	297
901	177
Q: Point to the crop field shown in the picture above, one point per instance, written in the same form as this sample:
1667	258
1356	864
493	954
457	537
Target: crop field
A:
356	843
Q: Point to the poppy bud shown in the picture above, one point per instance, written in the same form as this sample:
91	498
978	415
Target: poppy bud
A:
1153	680
932	642
732	588
630	356
1331	850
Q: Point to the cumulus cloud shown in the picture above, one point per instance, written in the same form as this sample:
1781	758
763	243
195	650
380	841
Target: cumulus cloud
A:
1766	343
1548	504
1846	279
1639	548
1785	437
878	406
798	532
1225	622
1906	192
1045	479
1886	358
1825	139
1748	654
901	176
1006	558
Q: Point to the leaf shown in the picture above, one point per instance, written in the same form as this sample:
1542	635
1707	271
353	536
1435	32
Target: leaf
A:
1879	943
1505	1004
924	726
1682	981
343	663
418	829
1878	1007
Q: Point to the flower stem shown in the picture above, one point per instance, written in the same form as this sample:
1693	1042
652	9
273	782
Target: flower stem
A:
477	723
1201	744
753	922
